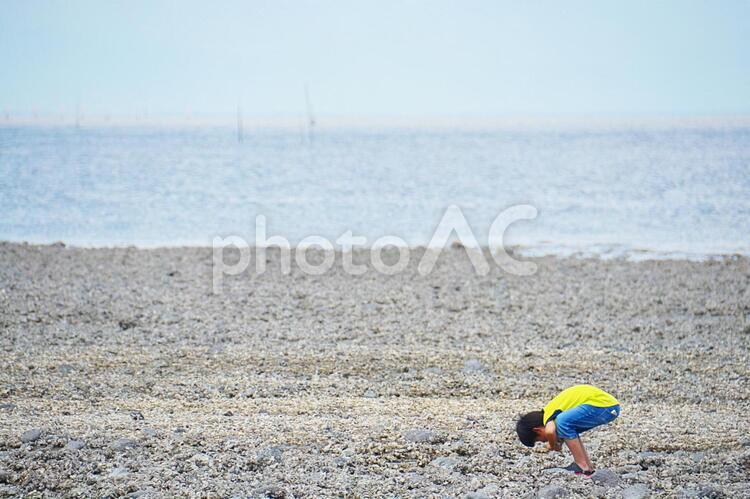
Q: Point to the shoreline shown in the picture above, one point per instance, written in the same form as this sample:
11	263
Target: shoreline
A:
610	252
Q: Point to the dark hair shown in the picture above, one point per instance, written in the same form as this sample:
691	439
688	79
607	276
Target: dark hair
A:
525	427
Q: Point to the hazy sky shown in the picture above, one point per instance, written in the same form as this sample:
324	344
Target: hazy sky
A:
380	58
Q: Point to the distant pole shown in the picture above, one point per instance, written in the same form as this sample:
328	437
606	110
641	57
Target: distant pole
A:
240	131
310	114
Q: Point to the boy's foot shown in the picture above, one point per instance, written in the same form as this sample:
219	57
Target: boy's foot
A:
573	467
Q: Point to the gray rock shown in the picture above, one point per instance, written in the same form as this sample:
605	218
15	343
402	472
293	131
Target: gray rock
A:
65	368
201	459
75	445
552	492
269	491
5	476
421	435
269	456
119	472
124	443
448	463
638	491
31	435
136	494
7	407
474	366
490	490
370	394
703	490
476	495
606	478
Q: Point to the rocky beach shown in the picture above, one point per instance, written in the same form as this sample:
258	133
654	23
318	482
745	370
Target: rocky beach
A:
125	374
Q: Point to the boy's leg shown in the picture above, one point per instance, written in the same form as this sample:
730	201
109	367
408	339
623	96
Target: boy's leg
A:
580	455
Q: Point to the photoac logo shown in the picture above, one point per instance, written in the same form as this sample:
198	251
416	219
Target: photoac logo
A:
452	222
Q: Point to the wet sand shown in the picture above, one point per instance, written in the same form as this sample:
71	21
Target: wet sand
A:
141	380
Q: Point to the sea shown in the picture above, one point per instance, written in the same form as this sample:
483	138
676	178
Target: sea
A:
632	190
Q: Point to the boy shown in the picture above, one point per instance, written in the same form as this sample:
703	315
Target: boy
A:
575	410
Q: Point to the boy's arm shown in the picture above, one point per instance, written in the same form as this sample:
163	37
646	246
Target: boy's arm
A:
550	431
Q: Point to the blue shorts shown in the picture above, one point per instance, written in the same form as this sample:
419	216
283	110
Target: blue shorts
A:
582	418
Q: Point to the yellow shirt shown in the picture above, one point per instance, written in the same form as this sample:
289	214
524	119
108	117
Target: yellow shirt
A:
578	395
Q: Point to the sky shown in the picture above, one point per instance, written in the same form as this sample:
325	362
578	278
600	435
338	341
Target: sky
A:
376	58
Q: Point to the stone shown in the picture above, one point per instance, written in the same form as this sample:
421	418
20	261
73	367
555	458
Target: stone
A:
137	416
491	490
269	491
65	368
370	394
421	435
552	492
75	445
638	491
476	495
201	459
119	472
5	476
269	456
124	443
606	478
474	366
448	463
31	435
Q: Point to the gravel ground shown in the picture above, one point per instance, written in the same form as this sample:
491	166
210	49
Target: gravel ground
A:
124	374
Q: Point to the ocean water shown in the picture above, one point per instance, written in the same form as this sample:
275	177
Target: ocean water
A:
675	191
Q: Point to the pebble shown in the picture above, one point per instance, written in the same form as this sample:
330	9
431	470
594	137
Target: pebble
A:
124	443
31	435
421	435
449	463
119	472
75	444
474	366
65	368
605	477
638	491
476	495
552	492
270	455
201	459
5	476
268	491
